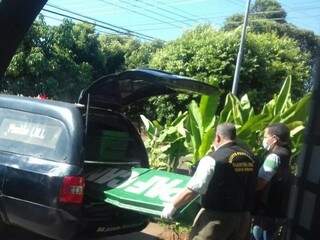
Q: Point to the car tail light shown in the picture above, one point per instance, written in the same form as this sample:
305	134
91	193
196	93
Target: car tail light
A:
72	189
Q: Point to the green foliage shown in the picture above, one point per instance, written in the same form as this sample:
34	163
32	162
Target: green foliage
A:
279	109
201	124
209	56
62	60
274	50
58	61
272	9
202	53
165	144
307	40
260	9
165	108
190	132
194	130
273	20
140	56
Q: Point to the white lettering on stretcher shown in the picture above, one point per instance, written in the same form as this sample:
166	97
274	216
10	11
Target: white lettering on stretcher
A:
160	187
164	190
139	187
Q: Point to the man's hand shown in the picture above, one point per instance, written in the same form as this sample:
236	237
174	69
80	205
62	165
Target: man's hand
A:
168	211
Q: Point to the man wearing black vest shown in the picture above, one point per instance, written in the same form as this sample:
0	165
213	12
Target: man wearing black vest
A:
273	185
226	181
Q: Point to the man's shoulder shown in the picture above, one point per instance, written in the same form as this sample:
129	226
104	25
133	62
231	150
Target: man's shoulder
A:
206	163
231	149
207	157
221	154
207	160
272	160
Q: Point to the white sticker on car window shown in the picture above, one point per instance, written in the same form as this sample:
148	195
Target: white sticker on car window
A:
39	134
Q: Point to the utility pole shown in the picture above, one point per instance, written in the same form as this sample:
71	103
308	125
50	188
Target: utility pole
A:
240	53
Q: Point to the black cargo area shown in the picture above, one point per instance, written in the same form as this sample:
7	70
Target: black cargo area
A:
111	138
112	144
102	217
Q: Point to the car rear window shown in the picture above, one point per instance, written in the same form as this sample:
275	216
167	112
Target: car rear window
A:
33	134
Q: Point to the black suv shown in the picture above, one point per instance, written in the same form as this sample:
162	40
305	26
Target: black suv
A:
48	148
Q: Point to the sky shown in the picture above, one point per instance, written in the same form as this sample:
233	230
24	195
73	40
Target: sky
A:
168	19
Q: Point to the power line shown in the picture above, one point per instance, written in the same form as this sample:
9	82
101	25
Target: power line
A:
208	18
214	17
187	1
302	13
177	9
130	32
53	18
187	20
188	13
303	8
232	22
164	10
236	3
164	28
95	24
304	3
61	20
139	13
146	9
235	22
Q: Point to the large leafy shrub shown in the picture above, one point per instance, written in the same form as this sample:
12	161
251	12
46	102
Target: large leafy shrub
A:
209	55
281	108
192	132
165	144
200	125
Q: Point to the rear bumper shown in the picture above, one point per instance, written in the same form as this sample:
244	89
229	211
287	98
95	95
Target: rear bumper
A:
100	228
105	220
61	224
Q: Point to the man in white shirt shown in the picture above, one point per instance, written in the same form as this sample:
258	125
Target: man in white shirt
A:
226	180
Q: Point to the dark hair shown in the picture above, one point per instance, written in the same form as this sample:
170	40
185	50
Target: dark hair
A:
227	131
282	132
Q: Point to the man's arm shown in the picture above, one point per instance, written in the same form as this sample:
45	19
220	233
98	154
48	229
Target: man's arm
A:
261	184
184	197
198	184
267	171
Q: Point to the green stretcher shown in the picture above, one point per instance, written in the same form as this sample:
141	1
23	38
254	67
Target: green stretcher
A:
146	191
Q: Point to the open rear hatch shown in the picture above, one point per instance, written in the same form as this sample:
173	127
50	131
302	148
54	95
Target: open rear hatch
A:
116	172
119	90
116	166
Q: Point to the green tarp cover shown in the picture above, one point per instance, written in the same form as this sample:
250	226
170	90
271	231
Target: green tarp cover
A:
146	191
